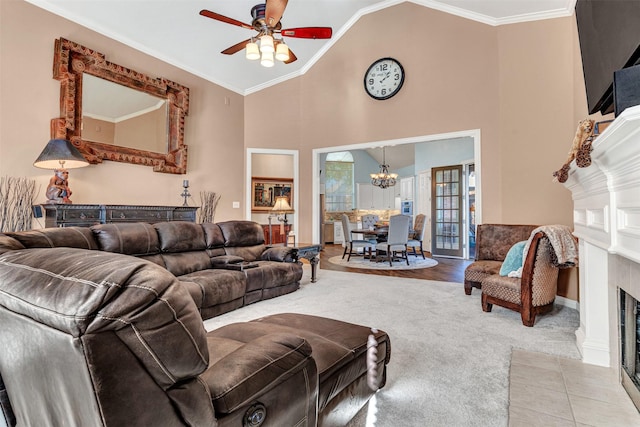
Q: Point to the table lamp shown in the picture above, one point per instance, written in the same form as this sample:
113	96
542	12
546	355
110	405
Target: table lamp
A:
59	154
281	208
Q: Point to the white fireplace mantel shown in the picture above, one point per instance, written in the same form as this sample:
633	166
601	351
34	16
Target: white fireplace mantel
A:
606	218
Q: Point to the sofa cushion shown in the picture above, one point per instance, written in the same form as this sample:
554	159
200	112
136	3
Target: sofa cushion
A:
180	236
213	235
219	286
236	376
136	238
70	237
514	259
273	274
241	233
477	271
247	253
186	262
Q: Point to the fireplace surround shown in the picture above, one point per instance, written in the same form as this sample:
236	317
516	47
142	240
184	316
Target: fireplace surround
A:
606	219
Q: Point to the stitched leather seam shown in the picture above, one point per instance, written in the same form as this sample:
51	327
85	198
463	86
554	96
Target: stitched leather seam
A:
152	353
83	237
193	341
57	276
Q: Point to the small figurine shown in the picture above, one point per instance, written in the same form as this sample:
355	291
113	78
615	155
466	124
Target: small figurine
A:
58	190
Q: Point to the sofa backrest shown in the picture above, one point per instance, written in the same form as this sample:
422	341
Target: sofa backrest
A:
493	241
71	237
125	342
243	238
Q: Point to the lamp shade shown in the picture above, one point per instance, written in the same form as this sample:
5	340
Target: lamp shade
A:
252	52
60	153
282	205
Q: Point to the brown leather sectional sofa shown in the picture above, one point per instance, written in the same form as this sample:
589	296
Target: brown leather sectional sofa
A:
208	259
101	338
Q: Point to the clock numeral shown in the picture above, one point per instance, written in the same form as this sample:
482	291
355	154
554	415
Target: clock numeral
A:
397	76
384	91
371	81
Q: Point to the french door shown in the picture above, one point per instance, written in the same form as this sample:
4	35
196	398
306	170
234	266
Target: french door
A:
446	211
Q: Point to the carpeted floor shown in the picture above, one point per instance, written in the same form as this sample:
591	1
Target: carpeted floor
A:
449	360
361	262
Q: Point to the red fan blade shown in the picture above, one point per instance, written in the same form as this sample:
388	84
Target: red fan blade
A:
292	57
235	48
308	32
224	19
274	11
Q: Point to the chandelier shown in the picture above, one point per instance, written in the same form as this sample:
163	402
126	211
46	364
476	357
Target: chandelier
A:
384	179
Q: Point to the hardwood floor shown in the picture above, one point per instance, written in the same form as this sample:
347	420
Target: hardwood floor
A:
447	270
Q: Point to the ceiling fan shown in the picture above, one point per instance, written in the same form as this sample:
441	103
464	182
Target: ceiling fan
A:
266	21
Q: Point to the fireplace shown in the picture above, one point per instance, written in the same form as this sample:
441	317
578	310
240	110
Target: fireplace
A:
629	309
606	198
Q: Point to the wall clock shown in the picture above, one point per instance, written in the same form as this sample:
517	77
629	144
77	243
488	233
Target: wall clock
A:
384	78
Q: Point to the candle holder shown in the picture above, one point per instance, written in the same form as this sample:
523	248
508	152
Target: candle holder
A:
185	193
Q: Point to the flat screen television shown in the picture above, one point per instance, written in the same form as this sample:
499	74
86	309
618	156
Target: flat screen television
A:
609	33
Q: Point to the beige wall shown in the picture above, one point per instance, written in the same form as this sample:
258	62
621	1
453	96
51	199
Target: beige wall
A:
29	99
515	83
520	84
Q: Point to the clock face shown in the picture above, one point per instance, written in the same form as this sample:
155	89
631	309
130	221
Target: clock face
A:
384	78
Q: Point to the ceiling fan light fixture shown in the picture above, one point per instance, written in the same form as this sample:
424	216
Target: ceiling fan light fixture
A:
282	52
267	59
266	44
252	51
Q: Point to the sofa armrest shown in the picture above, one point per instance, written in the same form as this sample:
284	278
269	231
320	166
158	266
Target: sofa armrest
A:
251	369
278	253
224	260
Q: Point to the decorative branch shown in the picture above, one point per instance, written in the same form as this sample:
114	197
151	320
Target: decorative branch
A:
16	200
208	204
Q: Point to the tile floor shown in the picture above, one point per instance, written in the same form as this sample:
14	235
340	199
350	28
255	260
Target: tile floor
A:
547	390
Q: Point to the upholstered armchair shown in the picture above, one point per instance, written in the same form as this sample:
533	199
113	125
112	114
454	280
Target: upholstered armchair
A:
493	242
531	294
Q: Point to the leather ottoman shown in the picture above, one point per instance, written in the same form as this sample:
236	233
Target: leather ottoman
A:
340	353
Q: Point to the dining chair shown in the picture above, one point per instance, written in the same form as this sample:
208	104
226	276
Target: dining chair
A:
396	245
418	235
369	221
350	243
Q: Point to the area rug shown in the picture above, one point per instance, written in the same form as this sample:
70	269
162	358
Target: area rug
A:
449	359
361	262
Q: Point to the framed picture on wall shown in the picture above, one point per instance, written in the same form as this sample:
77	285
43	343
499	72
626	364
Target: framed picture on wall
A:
265	190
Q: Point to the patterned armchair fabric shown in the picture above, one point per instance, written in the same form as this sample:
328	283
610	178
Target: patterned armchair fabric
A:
493	241
533	293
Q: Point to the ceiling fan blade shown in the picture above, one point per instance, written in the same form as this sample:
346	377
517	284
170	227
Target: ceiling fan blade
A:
274	11
225	19
308	32
292	57
236	47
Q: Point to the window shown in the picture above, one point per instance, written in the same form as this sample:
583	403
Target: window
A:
338	183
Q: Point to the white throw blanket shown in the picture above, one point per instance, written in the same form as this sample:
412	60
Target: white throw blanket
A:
563	243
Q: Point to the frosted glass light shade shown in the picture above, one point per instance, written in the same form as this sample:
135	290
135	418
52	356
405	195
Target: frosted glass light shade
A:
282	52
266	44
252	51
267	59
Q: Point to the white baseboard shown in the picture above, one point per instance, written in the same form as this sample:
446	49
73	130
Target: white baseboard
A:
568	302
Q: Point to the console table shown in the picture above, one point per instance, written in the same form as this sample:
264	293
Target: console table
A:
69	215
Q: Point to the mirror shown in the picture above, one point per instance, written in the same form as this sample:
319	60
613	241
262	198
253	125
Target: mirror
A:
103	107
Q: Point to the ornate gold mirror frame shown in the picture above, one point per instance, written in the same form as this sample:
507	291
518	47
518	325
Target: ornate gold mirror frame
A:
70	61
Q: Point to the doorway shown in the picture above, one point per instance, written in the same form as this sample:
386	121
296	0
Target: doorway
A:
446	211
316	161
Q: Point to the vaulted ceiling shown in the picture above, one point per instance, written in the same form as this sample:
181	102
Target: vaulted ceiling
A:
174	32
